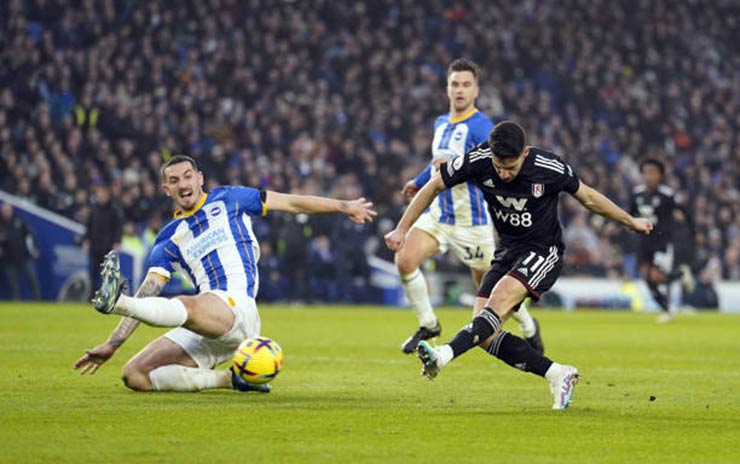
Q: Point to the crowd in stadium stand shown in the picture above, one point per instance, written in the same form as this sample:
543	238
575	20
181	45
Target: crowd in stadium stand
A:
338	98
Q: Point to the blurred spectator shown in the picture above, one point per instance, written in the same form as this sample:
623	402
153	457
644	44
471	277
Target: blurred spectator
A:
352	271
104	231
322	270
295	232
151	229
583	256
704	294
18	249
272	283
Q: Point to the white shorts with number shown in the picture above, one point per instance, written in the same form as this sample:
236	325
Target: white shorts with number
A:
210	352
473	245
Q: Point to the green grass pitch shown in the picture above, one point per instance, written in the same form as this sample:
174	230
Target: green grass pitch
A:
348	395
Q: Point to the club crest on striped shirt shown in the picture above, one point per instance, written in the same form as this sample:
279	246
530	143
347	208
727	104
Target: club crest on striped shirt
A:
538	190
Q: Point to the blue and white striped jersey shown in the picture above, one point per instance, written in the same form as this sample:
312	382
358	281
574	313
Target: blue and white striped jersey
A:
463	204
213	244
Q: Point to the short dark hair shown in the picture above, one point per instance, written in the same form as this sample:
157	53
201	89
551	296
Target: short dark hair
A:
177	159
464	64
653	162
507	139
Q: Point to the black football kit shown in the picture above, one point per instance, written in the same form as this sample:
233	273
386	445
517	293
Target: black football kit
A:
524	212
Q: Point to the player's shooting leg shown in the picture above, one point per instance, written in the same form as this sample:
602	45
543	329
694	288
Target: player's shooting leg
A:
506	295
521	316
489	315
514	351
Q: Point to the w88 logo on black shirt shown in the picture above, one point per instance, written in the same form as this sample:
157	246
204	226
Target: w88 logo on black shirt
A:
524	209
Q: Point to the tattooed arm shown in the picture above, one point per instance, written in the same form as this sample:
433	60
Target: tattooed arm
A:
95	357
358	211
152	286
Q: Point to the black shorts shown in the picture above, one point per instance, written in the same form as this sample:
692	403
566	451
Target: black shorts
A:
658	255
535	267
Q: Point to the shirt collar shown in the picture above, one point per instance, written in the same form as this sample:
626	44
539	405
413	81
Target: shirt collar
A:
179	214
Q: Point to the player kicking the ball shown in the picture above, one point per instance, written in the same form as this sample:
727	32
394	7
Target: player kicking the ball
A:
458	220
521	185
210	240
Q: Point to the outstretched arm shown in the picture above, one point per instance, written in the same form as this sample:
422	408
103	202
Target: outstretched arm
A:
95	357
600	204
414	185
359	211
396	238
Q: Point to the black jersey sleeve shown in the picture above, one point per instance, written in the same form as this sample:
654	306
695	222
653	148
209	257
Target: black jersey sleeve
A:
560	174
456	171
669	198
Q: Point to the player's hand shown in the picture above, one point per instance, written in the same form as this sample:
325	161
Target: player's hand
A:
410	189
361	211
395	239
437	162
642	226
94	358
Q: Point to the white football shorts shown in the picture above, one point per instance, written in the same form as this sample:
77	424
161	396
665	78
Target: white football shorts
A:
210	352
473	245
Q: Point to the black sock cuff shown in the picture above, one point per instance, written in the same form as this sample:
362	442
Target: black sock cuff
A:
485	324
516	352
496	344
490	317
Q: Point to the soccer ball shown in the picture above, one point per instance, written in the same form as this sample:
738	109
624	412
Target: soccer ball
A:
258	360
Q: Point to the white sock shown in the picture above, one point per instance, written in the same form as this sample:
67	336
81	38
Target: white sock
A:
526	323
674	296
178	378
553	372
154	310
444	355
417	292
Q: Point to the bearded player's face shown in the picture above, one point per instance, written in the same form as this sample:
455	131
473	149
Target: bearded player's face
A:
183	184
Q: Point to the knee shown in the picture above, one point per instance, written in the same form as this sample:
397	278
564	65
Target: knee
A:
136	378
406	264
655	277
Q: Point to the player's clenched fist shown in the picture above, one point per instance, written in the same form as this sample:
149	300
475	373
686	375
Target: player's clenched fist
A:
394	239
642	226
410	189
